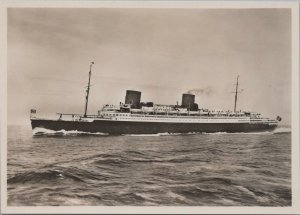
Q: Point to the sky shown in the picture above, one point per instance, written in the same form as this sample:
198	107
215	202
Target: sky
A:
161	52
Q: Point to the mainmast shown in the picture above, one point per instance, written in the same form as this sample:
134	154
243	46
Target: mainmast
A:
236	92
88	90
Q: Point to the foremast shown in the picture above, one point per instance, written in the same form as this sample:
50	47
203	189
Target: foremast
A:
88	90
236	92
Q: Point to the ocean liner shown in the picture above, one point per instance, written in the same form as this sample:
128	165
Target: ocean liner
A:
136	117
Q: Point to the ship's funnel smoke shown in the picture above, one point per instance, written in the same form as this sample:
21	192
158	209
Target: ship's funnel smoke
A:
201	91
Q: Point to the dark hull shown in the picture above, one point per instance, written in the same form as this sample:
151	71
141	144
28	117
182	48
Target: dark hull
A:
125	127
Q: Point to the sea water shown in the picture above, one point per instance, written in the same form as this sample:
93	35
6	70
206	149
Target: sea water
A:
220	169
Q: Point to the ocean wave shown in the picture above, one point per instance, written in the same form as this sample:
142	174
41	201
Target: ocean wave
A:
125	159
49	132
195	192
217	180
176	196
55	173
110	162
40	176
259	198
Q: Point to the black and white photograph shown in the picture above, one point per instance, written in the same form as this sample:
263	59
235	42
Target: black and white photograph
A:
149	106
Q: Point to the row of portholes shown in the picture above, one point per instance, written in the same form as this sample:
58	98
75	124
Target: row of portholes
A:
186	120
105	114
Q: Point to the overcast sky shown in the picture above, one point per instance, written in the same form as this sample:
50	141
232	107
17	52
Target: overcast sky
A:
161	52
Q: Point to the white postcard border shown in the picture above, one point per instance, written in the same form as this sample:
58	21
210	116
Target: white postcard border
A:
293	5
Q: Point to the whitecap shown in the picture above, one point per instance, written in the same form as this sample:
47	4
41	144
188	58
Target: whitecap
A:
282	130
249	192
43	131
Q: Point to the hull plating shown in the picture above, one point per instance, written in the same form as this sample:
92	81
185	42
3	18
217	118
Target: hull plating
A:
127	127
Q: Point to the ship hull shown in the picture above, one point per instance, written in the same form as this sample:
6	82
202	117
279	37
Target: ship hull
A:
132	127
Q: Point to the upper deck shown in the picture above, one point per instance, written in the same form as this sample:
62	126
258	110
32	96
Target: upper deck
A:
171	110
176	115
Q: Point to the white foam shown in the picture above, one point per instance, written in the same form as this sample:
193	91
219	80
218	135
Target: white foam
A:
158	134
43	131
176	196
228	202
282	130
258	198
142	135
276	131
145	196
169	134
215	133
